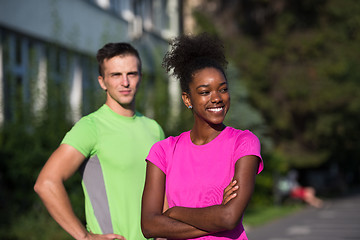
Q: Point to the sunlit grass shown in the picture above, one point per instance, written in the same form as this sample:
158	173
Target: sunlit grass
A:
261	215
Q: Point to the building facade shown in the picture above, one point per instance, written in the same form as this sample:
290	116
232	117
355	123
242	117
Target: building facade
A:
48	47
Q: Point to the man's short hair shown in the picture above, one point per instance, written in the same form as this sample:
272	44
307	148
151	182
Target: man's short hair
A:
111	50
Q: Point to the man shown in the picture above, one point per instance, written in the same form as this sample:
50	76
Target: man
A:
109	146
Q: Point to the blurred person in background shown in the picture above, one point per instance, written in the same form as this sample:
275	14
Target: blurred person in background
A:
289	187
306	194
109	147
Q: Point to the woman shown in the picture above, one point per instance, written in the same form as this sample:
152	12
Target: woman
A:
195	167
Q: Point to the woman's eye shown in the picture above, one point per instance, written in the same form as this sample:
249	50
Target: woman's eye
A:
224	90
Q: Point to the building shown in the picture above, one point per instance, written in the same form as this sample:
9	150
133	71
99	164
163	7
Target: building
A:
48	47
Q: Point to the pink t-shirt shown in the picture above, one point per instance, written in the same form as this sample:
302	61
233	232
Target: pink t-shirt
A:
196	175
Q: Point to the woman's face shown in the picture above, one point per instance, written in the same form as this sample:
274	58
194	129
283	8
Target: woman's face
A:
208	96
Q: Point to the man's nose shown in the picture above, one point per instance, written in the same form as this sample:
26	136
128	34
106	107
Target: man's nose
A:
125	81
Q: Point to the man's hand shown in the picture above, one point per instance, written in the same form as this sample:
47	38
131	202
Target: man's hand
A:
229	192
110	236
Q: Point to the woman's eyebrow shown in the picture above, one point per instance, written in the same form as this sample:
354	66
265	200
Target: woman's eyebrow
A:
207	85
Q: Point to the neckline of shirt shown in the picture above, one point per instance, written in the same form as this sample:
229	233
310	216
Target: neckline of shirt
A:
132	118
216	139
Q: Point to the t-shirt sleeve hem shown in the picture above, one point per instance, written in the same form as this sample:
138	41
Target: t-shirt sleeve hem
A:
157	155
157	165
72	145
261	163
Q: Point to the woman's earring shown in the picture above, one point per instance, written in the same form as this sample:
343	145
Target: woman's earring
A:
189	107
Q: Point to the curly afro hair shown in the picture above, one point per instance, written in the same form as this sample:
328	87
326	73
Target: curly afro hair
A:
189	54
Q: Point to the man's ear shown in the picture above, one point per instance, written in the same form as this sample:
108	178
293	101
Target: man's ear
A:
186	99
101	82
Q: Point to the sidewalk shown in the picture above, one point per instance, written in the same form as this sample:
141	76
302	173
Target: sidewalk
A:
338	220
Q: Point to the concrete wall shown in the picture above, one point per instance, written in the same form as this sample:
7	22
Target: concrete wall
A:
76	24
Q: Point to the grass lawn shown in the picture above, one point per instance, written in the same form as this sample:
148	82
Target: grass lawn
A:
258	216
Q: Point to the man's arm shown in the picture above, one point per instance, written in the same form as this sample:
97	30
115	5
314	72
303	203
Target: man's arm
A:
49	185
223	217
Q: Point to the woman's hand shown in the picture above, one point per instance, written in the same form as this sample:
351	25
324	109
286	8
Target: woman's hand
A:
229	192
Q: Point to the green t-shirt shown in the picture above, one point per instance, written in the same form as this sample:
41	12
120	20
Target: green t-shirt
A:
114	174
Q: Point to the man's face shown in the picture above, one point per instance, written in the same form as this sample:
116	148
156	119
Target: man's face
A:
121	78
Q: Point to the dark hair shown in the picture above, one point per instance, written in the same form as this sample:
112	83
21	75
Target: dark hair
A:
189	54
111	50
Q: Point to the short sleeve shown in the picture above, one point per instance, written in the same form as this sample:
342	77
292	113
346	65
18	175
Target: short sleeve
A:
248	144
82	137
157	155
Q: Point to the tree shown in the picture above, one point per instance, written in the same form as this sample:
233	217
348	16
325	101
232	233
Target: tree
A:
299	62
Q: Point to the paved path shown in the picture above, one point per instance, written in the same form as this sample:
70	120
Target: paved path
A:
338	220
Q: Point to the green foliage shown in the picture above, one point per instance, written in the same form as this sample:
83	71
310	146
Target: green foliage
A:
35	225
152	98
26	141
299	81
24	149
242	114
299	61
204	23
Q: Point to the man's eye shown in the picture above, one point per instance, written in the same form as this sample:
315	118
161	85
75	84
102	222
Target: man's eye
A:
204	93
134	74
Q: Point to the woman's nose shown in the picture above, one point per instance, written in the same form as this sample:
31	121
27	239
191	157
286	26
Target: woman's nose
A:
215	97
